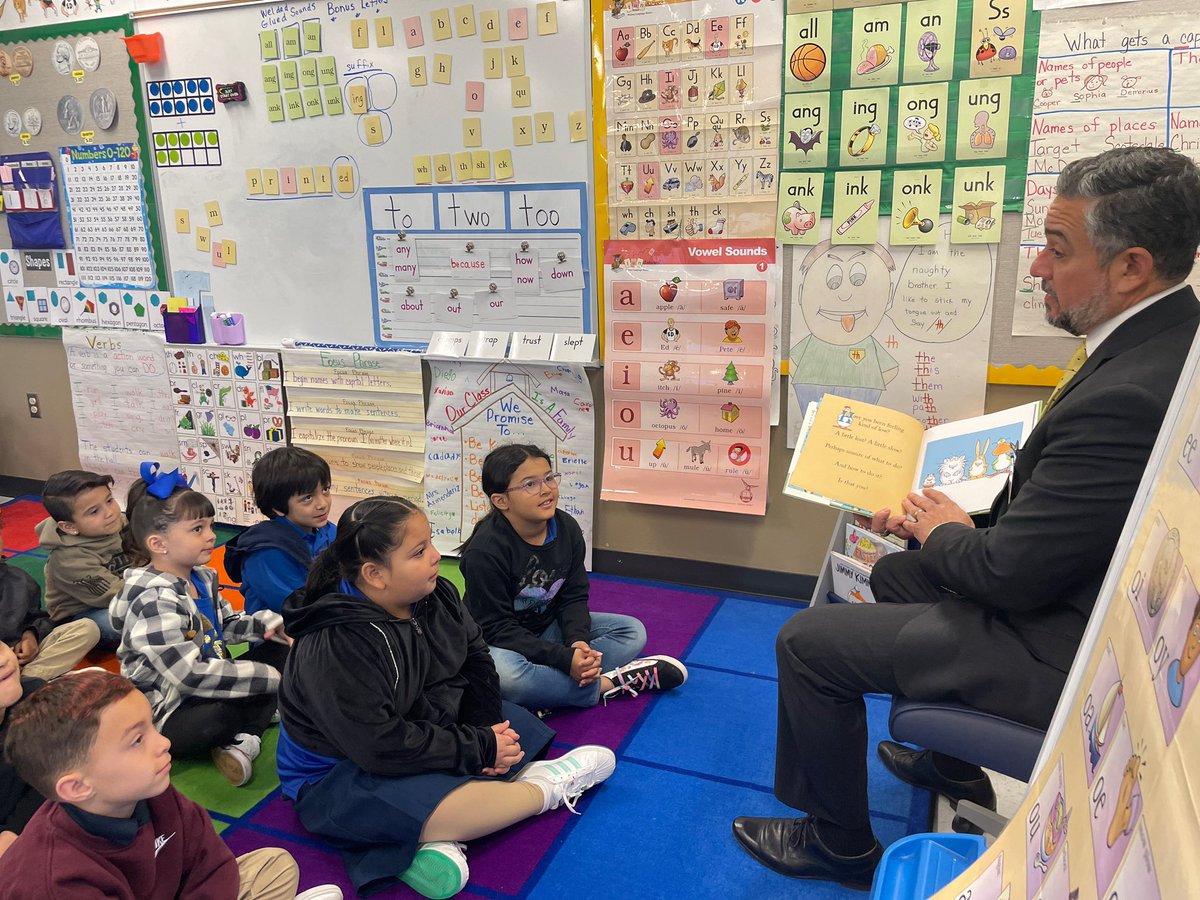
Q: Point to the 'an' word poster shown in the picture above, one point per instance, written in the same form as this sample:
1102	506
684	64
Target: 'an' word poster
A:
691	94
1112	812
361	411
688	373
107	207
477	405
229	411
121	397
1103	83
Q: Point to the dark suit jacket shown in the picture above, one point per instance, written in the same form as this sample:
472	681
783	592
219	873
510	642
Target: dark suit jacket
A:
1028	582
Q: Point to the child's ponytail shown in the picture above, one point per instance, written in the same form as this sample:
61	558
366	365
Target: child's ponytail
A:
368	531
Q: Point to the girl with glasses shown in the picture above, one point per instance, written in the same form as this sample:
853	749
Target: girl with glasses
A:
528	590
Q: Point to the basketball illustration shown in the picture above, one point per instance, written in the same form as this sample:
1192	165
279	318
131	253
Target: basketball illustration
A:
808	62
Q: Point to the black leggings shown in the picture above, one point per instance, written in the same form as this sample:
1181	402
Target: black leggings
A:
199	724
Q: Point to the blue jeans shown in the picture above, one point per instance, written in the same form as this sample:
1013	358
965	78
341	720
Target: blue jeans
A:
109	636
619	638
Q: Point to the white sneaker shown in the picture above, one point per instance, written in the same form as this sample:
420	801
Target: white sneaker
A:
321	892
236	759
563	780
438	871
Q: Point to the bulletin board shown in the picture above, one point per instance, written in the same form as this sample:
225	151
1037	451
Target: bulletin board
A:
59	89
343	98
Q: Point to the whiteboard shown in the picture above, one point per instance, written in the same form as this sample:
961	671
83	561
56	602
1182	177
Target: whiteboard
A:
302	268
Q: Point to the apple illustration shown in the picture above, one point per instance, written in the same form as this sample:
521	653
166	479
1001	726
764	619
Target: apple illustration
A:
622	52
669	289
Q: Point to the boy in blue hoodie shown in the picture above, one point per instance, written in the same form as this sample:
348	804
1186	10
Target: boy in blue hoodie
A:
272	559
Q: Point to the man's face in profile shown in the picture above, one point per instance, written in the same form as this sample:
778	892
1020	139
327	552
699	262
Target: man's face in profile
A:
1076	285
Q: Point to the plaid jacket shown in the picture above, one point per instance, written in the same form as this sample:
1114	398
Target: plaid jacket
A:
162	634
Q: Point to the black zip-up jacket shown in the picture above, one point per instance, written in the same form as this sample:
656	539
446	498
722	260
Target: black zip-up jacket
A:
398	697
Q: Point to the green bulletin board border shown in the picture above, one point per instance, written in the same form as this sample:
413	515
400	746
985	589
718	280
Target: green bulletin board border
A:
1016	162
122	25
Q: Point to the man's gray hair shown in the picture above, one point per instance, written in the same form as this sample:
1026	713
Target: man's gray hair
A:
1145	197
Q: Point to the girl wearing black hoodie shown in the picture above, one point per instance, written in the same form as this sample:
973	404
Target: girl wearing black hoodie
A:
394	738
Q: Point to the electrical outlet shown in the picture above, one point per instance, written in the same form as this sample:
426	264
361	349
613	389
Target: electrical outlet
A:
35	406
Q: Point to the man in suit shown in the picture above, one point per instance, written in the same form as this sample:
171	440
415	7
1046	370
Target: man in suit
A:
991	616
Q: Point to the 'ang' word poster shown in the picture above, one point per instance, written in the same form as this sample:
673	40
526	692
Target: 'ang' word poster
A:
477	405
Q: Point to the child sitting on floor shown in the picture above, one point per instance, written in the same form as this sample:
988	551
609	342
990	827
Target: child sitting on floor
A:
175	625
42	650
272	559
86	560
18	801
116	826
528	590
393	728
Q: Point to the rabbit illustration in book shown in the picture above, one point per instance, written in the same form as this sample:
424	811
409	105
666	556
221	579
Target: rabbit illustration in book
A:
979	466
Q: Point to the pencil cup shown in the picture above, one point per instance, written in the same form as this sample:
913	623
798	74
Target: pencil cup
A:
228	328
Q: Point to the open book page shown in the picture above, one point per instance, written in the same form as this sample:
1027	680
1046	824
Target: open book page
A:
855	456
970	461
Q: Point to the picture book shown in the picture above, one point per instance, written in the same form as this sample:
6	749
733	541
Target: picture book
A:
851	578
867	547
860	457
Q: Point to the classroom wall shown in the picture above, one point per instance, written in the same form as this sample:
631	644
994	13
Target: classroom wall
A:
35	448
790	539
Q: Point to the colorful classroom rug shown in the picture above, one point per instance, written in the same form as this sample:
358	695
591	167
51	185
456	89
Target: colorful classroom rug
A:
688	763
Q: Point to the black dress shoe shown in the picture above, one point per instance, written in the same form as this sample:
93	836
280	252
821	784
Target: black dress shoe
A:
791	847
916	768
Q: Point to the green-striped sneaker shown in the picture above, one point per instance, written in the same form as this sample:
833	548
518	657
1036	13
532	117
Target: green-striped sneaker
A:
563	780
438	871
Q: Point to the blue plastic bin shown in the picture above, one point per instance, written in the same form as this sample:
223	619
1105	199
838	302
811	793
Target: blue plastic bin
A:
918	866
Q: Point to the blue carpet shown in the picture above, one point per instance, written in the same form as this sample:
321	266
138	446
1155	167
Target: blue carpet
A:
689	762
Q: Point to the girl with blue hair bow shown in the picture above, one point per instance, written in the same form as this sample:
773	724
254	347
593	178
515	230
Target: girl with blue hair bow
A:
175	626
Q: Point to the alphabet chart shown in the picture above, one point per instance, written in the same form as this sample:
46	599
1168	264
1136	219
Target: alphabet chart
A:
107	210
688	372
493	257
692	95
